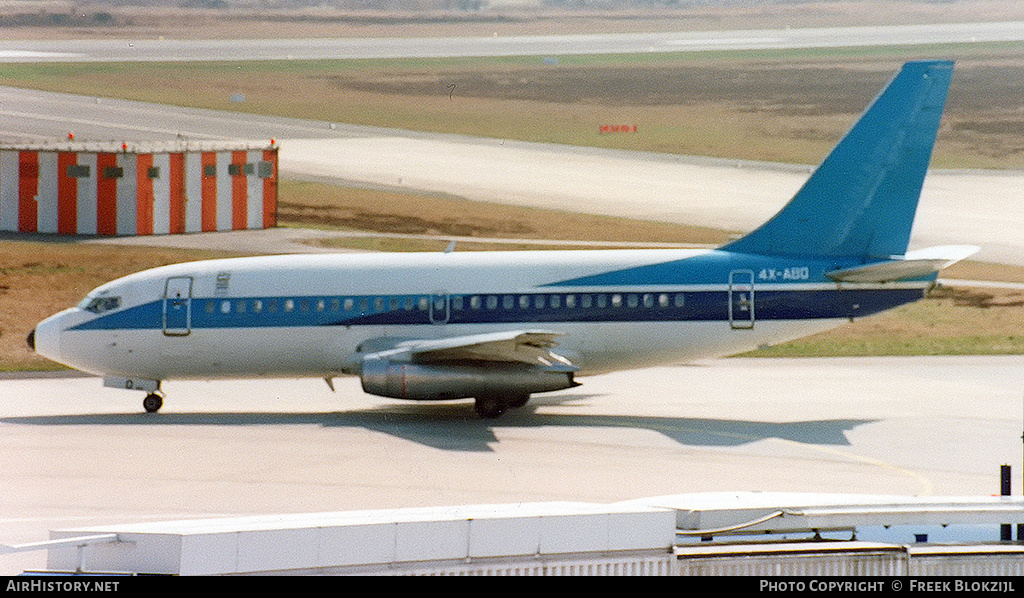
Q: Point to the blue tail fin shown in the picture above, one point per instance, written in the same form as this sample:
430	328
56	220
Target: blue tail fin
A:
861	200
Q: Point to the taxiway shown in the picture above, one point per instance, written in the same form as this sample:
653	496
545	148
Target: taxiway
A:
76	453
525	45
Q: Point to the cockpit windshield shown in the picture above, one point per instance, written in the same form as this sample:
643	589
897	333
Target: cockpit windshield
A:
98	305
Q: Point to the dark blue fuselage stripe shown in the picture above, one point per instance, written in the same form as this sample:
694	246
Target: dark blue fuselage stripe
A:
695	306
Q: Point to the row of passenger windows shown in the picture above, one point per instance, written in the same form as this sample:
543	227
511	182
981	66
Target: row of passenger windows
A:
366	305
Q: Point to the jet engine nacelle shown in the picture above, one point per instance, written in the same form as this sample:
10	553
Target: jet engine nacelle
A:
402	380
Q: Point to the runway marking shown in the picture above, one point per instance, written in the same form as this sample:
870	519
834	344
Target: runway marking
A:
724	41
36	54
19	134
928	487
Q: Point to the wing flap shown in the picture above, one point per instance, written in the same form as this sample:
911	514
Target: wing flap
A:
520	346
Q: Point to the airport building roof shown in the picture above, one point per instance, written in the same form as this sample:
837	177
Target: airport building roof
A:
140	147
634	537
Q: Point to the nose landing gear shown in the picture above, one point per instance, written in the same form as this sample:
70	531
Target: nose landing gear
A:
152	403
154	398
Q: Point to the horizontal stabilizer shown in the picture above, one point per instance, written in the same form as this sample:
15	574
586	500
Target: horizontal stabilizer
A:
913	265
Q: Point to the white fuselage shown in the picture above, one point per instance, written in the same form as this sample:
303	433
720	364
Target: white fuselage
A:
310	315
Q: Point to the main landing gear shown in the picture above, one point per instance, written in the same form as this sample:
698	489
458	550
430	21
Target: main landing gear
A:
491	407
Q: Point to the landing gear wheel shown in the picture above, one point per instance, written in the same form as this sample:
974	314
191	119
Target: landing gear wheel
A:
489	407
152	403
518	401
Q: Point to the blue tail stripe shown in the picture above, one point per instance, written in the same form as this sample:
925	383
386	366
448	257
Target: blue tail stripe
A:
861	200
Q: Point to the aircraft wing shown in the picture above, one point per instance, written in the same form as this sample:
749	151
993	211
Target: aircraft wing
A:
914	264
520	346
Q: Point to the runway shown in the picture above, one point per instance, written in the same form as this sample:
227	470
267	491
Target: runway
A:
391	47
76	453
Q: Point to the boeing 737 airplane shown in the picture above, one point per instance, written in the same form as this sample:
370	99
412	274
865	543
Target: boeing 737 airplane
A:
500	326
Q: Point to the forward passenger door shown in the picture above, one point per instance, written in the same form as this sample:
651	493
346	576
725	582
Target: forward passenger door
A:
178	306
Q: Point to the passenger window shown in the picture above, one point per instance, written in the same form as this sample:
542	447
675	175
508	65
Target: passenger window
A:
225	307
602	301
474	302
632	300
586	301
648	300
556	301
492	302
289	305
680	299
457	303
349	304
570	301
538	301
257	306
663	300
508	301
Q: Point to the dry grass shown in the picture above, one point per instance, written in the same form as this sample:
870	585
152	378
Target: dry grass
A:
38	279
950	321
319	206
971	270
787	106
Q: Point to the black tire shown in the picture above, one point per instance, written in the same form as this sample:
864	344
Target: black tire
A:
152	403
489	407
517	401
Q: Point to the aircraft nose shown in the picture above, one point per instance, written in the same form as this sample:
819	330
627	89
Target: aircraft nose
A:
45	337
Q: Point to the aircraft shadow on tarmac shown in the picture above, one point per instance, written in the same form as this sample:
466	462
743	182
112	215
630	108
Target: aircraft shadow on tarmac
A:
453	426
